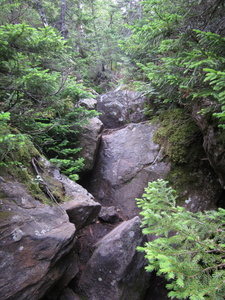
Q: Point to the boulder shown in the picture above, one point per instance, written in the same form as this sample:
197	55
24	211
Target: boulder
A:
118	108
79	205
37	240
89	142
128	160
36	243
109	215
116	270
89	103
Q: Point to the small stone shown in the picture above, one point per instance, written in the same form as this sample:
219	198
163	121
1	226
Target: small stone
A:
17	234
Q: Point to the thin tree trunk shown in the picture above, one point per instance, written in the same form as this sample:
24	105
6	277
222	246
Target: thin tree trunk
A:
41	13
63	27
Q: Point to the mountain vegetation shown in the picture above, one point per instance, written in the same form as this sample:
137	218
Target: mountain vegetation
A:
53	53
188	247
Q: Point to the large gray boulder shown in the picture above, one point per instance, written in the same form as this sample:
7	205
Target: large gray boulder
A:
37	240
35	246
118	108
128	160
116	270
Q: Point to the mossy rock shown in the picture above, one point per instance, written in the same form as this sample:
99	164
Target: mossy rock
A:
180	177
5	216
17	165
181	140
177	133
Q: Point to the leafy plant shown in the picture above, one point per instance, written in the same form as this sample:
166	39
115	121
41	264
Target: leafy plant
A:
8	141
180	52
38	90
188	249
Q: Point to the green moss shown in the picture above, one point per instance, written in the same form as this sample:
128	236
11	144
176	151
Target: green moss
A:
181	141
176	133
55	187
18	166
5	216
180	177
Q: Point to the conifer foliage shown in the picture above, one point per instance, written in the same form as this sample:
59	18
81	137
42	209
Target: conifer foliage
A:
179	48
189	248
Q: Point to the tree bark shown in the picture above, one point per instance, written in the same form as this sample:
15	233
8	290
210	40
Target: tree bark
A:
41	13
63	27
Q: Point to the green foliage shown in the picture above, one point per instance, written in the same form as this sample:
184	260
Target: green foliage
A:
217	81
179	49
8	141
57	136
188	248
27	54
38	89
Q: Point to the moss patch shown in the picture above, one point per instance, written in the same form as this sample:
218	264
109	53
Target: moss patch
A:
177	134
180	177
181	142
5	216
18	166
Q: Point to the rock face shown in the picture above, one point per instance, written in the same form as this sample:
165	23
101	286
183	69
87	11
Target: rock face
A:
118	108
36	240
128	160
116	270
89	142
109	215
82	209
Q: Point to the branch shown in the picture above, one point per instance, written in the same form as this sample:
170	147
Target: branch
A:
21	90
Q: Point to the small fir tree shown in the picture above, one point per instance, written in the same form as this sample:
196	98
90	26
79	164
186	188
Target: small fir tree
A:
189	248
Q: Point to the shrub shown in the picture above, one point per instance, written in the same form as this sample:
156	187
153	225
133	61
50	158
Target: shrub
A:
189	248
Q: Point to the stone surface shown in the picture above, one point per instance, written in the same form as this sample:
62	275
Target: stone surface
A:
121	107
36	240
109	214
116	270
203	193
80	204
82	209
89	142
127	161
89	103
82	212
213	142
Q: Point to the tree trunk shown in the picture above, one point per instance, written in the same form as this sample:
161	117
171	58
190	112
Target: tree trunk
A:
63	27
41	13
